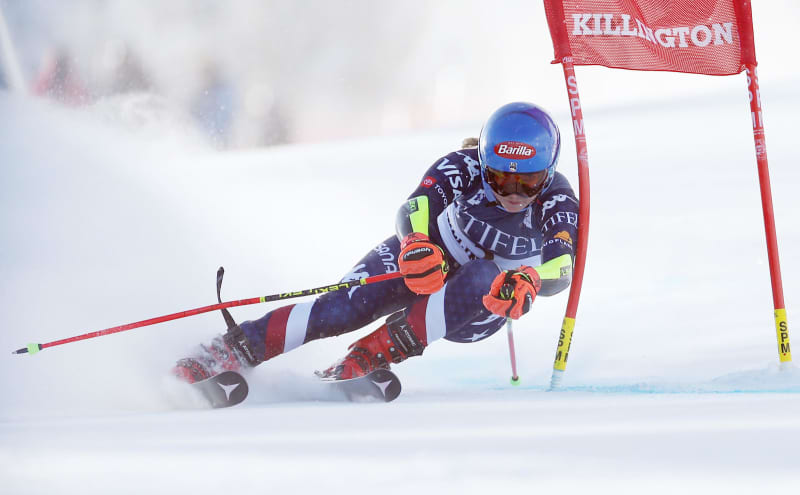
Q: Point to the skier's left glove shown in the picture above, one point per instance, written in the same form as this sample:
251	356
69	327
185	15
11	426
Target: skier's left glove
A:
512	292
422	264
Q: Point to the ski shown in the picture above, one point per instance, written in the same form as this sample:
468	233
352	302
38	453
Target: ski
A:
379	385
224	390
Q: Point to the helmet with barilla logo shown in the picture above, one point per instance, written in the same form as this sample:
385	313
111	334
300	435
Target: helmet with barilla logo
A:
521	139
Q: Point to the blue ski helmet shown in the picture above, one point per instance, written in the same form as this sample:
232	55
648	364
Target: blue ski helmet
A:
518	150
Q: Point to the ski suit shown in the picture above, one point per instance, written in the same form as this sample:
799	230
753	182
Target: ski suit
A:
454	207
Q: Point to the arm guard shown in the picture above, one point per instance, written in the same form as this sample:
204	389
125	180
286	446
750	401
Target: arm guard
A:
556	275
413	216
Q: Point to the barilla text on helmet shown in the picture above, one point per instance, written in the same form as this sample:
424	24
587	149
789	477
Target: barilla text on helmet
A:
515	150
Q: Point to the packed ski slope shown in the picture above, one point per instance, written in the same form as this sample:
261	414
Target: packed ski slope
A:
672	384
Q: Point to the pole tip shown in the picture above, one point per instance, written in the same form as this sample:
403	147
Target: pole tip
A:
30	349
555	380
515	381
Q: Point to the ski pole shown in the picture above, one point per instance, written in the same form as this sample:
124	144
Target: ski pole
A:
507	292
512	353
34	348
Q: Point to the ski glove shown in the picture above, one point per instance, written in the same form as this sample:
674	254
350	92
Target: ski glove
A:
512	292
422	264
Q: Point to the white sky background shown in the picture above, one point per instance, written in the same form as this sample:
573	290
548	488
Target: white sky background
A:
354	68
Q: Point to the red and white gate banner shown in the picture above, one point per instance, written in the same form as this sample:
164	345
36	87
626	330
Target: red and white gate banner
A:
713	37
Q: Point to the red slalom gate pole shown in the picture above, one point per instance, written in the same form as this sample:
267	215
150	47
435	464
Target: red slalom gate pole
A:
34	348
568	325
781	325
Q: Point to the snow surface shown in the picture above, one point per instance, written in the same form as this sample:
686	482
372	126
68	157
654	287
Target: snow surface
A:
672	385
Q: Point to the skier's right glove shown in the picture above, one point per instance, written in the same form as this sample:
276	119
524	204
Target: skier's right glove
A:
422	264
512	292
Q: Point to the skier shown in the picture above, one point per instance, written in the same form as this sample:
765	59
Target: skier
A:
485	232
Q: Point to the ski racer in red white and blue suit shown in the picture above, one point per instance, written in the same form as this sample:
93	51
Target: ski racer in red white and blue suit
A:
487	230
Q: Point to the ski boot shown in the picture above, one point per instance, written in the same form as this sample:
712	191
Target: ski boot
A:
393	341
228	352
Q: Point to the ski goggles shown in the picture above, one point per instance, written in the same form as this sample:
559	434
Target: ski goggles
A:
507	183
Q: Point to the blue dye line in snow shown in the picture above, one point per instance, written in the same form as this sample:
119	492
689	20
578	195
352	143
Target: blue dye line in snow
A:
644	389
771	380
